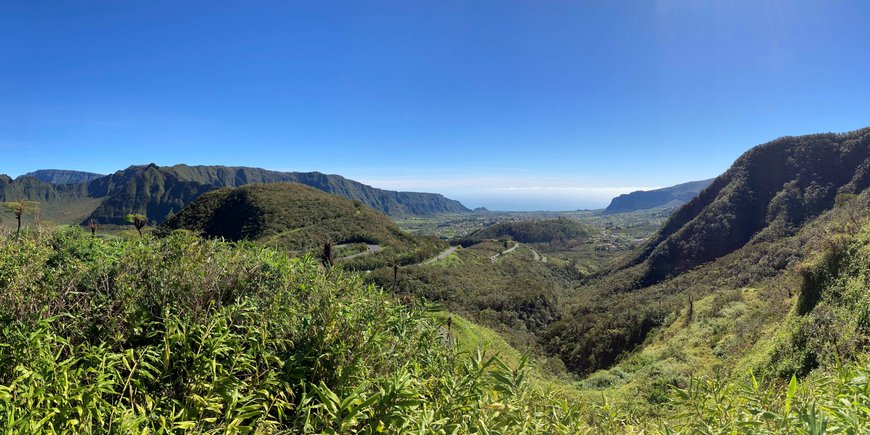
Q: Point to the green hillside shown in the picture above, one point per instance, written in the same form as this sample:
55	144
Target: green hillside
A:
515	295
288	215
31	189
769	192
748	311
185	335
620	307
530	231
180	335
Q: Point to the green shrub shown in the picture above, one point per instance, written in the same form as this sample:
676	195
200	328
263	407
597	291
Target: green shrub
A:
183	334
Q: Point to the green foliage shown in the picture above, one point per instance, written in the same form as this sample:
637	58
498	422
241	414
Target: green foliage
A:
832	315
516	296
290	216
184	334
299	218
836	402
619	308
180	334
769	192
530	231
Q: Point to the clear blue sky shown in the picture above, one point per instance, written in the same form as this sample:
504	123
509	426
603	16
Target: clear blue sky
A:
509	105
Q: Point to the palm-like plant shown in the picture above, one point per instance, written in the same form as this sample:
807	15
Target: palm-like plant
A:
93	224
138	220
19	208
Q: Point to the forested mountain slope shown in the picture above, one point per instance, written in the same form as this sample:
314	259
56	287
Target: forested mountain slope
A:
31	189
165	325
769	192
751	227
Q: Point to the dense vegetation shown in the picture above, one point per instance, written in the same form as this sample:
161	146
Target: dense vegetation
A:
517	296
289	215
31	189
645	199
691	334
159	192
530	231
604	324
181	334
769	192
298	218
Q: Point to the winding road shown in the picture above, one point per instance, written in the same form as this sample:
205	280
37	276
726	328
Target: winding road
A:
370	249
537	256
445	253
442	255
506	251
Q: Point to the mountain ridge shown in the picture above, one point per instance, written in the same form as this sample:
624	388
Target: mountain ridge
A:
772	188
646	199
61	176
158	192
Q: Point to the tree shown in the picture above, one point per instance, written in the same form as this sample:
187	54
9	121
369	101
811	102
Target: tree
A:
690	312
92	224
19	208
139	221
326	254
853	212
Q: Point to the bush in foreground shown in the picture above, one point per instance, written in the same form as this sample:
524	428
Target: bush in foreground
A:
182	334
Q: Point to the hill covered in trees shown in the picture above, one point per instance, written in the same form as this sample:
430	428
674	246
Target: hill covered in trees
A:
178	333
674	196
769	192
772	211
290	215
530	231
158	192
294	217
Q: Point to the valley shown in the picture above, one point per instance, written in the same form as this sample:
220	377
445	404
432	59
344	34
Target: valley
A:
624	318
438	217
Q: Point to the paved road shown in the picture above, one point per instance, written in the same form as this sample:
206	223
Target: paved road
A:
494	258
507	251
442	255
370	249
538	257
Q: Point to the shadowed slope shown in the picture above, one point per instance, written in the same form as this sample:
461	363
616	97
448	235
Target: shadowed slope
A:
289	215
770	191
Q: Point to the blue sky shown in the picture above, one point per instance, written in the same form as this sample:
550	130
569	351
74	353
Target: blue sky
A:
508	105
